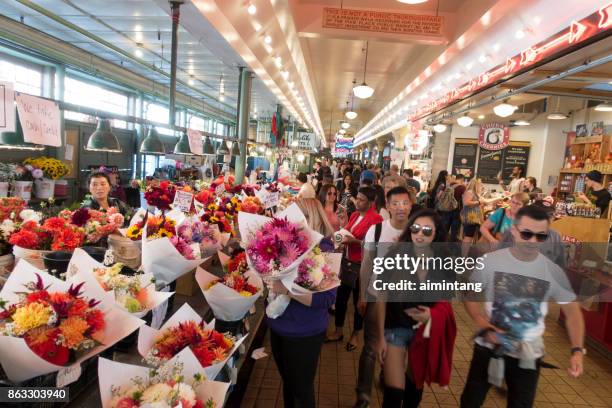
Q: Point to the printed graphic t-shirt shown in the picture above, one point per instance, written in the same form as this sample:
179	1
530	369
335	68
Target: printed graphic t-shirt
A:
517	293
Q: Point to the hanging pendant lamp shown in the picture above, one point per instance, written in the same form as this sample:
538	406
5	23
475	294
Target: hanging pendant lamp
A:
103	139
364	91
182	146
223	148
14	140
208	147
350	113
235	149
152	144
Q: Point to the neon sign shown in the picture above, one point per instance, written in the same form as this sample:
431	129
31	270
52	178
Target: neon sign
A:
578	32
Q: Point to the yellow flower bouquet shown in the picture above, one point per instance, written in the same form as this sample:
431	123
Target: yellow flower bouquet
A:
52	168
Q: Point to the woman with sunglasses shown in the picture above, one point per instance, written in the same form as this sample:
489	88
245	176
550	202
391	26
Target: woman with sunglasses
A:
402	323
503	218
328	197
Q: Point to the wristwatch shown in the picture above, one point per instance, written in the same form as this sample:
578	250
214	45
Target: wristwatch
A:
579	350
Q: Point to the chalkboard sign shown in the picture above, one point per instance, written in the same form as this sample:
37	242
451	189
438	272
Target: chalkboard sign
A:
489	165
464	157
515	155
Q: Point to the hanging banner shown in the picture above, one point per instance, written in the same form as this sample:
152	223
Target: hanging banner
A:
7	107
494	136
306	141
40	120
195	141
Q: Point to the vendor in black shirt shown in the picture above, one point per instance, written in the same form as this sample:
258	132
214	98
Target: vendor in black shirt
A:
99	188
598	194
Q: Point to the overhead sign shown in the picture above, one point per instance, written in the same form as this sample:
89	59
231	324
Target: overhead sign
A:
416	142
382	22
494	136
306	141
40	120
195	141
7	107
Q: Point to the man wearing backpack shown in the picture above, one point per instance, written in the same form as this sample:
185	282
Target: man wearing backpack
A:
377	241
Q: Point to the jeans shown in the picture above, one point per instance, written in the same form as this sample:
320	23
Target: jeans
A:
399	336
367	359
447	217
455	225
297	359
342	298
522	383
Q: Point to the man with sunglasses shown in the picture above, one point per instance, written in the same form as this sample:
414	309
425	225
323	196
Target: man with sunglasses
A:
518	282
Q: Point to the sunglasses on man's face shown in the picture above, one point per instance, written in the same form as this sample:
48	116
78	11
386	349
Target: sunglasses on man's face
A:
527	235
426	230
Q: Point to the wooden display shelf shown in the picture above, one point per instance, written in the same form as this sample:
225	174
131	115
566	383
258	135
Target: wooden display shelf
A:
588	139
582	171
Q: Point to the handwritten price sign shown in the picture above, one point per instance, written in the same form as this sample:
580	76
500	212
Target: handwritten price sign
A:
40	120
182	201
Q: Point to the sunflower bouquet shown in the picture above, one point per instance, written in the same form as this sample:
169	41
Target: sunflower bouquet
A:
51	168
158	226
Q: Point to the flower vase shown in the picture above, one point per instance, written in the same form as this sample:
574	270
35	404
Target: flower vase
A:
4	187
22	189
44	188
33	256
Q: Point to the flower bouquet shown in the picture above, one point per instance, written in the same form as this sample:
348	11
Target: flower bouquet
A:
186	329
161	196
231	296
157	226
196	239
135	294
54	324
276	246
178	383
252	205
10	208
96	224
49	167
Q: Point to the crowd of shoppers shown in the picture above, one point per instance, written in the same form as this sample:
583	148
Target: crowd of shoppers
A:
377	216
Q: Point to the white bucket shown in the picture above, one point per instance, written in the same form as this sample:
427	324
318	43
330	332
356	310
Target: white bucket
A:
4	188
22	189
44	188
33	256
125	250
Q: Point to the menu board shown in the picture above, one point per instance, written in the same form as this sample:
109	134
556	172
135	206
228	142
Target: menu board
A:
464	157
515	155
490	165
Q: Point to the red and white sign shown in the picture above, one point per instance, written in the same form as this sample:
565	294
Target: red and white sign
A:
415	143
195	141
494	136
40	120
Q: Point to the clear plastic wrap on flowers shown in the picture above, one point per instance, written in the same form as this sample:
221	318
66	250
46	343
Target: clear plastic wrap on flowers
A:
127	385
134	294
231	297
186	321
20	362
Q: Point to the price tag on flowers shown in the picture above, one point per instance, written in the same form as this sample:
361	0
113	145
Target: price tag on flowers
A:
272	200
182	201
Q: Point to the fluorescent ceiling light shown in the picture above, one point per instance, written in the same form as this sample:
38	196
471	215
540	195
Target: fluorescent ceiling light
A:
464	121
504	109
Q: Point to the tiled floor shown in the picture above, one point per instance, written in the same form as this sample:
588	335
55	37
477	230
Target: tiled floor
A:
336	377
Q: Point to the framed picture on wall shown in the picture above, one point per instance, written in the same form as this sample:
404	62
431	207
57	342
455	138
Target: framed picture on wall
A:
581	130
597	128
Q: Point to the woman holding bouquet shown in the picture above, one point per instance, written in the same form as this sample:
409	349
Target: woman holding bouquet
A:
406	317
358	225
296	338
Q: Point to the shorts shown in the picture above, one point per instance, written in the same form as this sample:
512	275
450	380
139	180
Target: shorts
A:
470	230
399	336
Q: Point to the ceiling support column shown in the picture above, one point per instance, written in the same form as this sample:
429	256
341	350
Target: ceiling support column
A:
244	107
175	7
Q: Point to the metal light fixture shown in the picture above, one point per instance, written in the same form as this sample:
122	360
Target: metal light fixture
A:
439	128
223	148
345	125
464	121
504	110
103	139
235	149
15	141
364	91
152	144
604	107
182	146
350	113
208	148
557	114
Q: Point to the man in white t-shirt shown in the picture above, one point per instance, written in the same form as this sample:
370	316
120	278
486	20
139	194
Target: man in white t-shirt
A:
517	283
377	241
517	179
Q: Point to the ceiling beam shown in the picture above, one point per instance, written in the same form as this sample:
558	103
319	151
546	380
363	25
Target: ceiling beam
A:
587	74
582	92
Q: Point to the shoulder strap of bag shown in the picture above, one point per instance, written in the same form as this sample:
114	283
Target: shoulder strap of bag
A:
500	222
377	232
